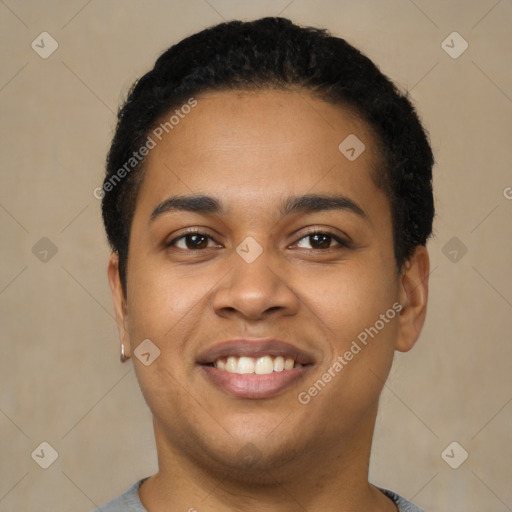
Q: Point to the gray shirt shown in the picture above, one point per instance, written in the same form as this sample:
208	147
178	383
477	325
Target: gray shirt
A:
130	502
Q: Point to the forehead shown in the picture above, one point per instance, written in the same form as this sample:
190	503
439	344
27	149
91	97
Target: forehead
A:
256	147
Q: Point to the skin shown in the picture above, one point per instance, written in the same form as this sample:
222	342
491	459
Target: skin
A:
251	150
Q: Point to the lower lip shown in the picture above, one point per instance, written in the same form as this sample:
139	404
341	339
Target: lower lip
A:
252	385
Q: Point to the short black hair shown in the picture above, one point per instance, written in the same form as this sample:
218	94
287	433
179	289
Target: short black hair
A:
274	53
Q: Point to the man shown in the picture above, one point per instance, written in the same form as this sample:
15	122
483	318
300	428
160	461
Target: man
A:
268	200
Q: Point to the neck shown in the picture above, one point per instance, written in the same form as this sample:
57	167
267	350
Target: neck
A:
331	479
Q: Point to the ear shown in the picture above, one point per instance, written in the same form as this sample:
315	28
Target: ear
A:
413	295
119	302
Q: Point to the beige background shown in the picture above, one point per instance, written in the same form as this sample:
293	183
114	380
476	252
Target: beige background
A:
61	379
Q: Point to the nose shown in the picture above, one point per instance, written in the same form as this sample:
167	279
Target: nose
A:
255	289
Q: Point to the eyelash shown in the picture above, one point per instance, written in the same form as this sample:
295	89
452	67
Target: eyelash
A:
342	243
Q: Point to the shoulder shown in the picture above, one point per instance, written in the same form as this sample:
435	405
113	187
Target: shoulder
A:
402	504
127	502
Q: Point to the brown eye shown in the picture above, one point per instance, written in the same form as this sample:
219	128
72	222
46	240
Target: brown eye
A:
196	241
321	240
191	241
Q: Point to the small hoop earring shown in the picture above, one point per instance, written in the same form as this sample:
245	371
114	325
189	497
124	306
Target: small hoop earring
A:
123	357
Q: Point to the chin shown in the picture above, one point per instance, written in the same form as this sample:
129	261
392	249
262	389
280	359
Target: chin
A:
254	460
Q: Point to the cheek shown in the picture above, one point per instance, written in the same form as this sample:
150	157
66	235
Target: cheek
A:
362	328
164	306
158	301
354	300
166	396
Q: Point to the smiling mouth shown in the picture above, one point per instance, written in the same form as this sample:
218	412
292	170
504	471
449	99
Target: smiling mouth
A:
254	377
264	365
255	368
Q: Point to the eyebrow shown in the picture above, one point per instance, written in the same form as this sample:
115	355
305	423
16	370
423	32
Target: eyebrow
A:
307	203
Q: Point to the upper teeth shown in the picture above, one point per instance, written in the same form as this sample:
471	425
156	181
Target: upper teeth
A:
258	365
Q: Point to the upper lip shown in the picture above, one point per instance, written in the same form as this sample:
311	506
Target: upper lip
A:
255	348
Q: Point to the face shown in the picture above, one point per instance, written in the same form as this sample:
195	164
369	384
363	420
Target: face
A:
274	301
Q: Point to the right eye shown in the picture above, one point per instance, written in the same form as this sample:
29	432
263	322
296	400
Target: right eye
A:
191	241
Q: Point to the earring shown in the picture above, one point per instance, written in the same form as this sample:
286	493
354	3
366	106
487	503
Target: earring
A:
123	357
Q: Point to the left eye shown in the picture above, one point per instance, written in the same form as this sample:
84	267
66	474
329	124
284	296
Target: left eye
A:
322	240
